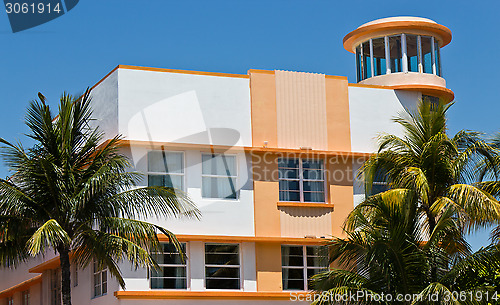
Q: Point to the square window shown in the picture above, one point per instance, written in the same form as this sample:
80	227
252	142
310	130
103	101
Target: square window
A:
301	180
219	176
172	272
166	168
299	263
222	266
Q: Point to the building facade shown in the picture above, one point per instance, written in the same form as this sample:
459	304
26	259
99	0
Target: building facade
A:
270	158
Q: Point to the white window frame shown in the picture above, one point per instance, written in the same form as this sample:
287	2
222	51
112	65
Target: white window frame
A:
301	180
304	266
240	266
183	174
185	265
101	282
221	176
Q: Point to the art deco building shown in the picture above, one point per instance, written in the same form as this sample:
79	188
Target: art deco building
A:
269	158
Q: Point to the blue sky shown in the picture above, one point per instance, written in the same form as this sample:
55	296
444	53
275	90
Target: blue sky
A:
74	51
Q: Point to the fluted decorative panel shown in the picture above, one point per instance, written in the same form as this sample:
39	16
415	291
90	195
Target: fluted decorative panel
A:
301	110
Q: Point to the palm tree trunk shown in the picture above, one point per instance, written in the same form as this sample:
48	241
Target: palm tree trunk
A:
65	275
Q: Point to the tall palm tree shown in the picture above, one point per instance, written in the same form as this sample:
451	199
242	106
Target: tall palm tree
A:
410	238
74	193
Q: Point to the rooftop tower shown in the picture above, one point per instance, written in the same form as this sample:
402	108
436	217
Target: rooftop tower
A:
401	52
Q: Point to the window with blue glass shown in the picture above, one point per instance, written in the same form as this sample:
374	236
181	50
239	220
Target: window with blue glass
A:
412	52
379	62
426	54
301	180
395	53
166	168
437	58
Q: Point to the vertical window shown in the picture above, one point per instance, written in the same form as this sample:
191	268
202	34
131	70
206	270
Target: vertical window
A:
301	180
166	168
426	54
172	272
433	100
10	300
437	57
412	52
100	280
379	62
55	287
300	263
219	176
25	295
359	68
395	53
367	68
222	266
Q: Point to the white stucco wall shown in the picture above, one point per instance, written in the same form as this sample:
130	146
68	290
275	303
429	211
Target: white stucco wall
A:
184	108
371	112
105	105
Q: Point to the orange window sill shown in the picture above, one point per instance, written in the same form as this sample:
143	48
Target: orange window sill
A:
305	204
228	295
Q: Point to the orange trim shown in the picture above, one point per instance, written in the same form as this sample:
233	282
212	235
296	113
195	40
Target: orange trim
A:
369	31
227	295
446	94
305	204
261	71
102	79
307	152
235	239
182	71
21	286
50	264
336	77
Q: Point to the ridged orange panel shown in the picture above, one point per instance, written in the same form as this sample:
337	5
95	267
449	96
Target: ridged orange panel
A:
301	110
305	221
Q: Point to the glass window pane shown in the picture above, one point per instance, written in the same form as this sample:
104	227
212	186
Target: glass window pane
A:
426	54
313	175
437	56
379	63
312	164
166	162
367	68
168	283
221	248
292	256
313	186
358	65
213	187
289	196
314	197
220	165
169	272
289	185
288	163
293	279
395	53
289	173
223	284
412	52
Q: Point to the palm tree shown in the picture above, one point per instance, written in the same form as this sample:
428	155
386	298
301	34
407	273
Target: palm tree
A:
412	235
74	193
389	259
